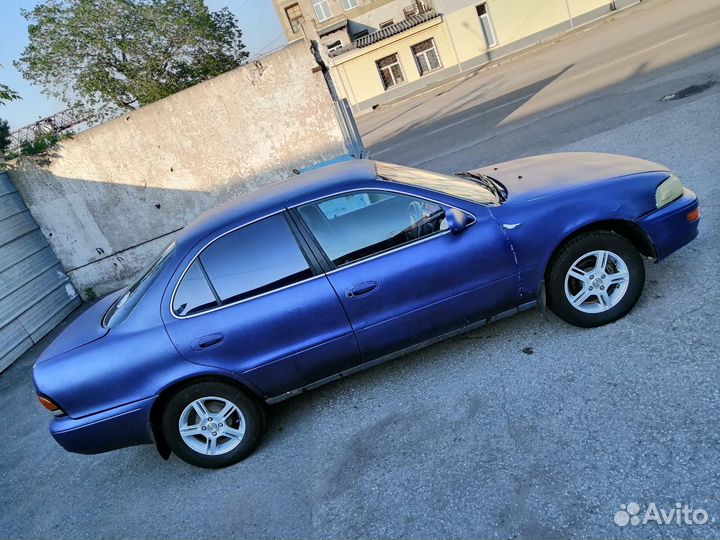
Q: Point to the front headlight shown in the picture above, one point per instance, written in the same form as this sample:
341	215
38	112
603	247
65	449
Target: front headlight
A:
668	191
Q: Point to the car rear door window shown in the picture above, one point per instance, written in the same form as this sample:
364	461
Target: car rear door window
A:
193	295
353	226
255	259
249	261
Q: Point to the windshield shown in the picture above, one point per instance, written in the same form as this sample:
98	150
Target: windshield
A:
462	188
127	302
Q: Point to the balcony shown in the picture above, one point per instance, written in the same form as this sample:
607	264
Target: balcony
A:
422	14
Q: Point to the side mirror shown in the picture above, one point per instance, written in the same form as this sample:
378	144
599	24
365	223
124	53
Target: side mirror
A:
457	220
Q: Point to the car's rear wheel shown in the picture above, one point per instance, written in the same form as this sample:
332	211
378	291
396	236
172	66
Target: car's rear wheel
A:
212	424
595	279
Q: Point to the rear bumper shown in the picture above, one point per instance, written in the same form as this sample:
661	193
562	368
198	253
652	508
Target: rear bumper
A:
120	427
669	228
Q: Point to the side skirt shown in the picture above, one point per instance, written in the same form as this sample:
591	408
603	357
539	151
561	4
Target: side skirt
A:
402	352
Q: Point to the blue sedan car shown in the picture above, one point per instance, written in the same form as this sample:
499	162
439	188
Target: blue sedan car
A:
343	268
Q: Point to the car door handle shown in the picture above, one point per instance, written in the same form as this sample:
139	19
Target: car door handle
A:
206	342
366	287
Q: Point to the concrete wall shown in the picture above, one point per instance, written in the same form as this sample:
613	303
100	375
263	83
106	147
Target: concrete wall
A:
113	196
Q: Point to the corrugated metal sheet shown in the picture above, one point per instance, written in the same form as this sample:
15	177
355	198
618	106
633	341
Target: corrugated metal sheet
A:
11	204
45	308
6	186
35	293
25	270
22	298
20	248
16	226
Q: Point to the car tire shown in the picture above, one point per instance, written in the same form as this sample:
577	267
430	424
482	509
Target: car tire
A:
212	424
595	279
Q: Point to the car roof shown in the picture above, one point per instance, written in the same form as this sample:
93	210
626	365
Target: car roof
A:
275	197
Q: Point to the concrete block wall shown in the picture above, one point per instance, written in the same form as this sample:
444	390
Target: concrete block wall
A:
111	197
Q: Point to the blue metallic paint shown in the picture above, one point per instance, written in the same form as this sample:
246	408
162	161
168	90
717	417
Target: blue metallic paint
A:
108	381
669	227
430	286
546	204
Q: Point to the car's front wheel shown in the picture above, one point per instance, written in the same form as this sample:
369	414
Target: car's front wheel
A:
212	424
595	279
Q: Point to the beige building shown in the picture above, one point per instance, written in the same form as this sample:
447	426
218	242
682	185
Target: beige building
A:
380	50
336	22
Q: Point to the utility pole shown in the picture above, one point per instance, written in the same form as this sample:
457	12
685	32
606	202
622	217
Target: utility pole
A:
567	5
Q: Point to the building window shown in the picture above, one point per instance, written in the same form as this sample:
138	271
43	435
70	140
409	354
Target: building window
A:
360	34
295	17
390	70
334	46
322	10
349	4
410	10
426	56
387	23
487	26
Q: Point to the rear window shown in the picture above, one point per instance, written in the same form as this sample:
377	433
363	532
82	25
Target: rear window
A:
124	305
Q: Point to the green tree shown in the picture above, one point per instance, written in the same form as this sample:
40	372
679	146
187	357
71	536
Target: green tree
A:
116	55
7	94
4	136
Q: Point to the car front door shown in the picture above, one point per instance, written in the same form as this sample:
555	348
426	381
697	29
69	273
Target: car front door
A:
401	274
254	302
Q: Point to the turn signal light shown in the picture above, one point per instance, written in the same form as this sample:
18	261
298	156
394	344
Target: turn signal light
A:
694	215
50	405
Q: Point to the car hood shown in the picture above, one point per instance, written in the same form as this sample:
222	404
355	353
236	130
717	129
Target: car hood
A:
86	328
539	176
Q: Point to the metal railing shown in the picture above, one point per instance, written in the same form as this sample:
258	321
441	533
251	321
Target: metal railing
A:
57	123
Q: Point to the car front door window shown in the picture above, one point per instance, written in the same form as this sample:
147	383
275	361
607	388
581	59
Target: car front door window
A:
351	227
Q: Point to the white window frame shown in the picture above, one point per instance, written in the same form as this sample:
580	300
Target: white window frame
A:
322	10
488	25
349	4
392	75
297	20
334	46
427	60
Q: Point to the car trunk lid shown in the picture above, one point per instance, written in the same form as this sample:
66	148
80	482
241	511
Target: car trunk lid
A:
83	330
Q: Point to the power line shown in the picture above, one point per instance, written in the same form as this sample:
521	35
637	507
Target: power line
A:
270	44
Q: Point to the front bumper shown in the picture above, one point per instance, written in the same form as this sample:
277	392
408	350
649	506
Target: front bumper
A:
120	427
669	228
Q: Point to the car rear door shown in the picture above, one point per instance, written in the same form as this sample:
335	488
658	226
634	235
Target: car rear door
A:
254	301
401	274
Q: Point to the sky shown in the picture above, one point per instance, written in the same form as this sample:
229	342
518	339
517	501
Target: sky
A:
257	20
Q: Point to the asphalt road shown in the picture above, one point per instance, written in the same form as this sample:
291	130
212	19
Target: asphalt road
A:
524	428
599	78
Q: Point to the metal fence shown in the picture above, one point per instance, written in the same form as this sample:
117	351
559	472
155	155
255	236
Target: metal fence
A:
35	293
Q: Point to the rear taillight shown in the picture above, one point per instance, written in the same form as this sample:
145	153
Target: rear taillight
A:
50	405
